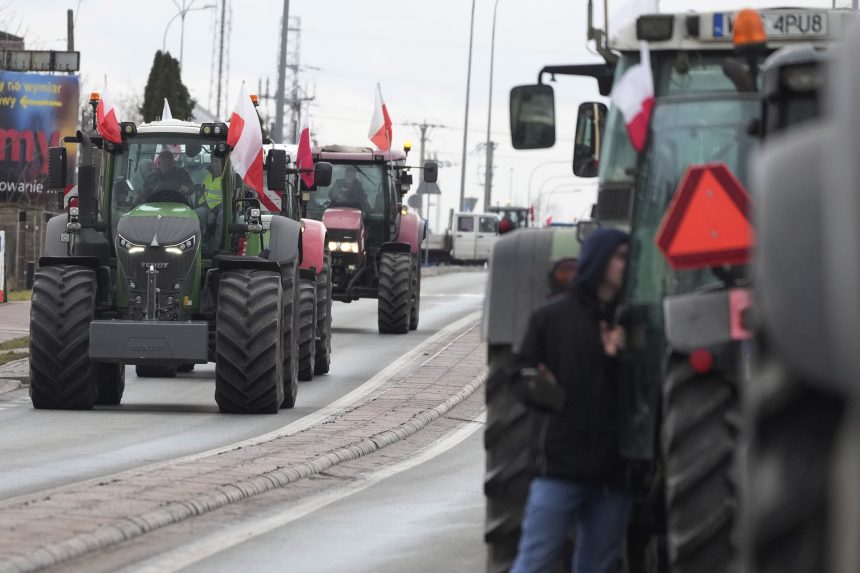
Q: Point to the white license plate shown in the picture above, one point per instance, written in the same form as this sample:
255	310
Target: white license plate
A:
779	25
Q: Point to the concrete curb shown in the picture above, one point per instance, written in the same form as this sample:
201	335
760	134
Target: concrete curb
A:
17	370
125	529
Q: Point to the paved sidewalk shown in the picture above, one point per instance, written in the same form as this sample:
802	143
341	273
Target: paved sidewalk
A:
53	526
14	320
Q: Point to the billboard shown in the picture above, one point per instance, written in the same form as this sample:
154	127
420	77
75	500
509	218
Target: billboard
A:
36	111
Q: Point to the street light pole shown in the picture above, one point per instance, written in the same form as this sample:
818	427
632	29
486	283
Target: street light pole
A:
488	172
531	178
183	10
466	120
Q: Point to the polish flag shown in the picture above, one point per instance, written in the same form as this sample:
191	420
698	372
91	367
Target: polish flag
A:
245	138
108	118
380	125
304	157
633	94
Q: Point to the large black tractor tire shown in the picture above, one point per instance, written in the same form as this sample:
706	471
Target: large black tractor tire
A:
699	439
185	368
506	442
290	324
62	376
156	371
324	300
415	311
249	356
307	328
110	380
845	496
395	293
793	430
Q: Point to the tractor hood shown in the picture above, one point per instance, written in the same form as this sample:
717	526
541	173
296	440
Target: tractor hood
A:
159	224
342	218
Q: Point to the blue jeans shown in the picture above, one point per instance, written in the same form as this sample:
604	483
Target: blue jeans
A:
554	505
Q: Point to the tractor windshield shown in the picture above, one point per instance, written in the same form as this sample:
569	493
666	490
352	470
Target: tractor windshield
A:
171	169
358	185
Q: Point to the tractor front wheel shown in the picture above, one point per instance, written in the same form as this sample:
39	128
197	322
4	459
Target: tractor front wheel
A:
416	292
395	293
62	376
307	329
323	345
110	379
248	343
290	281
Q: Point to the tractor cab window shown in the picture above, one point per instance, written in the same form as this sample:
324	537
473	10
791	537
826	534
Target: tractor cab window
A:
171	170
356	185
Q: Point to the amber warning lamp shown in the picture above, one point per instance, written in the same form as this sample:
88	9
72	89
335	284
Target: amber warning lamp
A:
748	31
708	222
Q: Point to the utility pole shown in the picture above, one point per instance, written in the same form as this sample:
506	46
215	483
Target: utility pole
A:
70	33
278	131
466	120
221	57
488	176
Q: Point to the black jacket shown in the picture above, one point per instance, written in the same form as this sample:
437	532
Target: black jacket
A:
579	443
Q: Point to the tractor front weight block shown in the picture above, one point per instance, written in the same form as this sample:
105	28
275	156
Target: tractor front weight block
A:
149	342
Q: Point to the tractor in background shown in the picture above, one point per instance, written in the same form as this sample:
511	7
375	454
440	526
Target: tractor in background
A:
315	284
373	238
139	272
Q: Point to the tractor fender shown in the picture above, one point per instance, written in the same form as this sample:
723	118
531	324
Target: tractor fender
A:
395	248
55	228
285	240
313	245
411	231
518	284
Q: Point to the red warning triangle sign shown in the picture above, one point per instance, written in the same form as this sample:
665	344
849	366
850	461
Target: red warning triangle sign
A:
707	223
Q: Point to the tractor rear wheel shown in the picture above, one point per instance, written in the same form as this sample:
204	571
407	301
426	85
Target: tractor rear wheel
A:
700	413
62	376
323	345
156	371
307	329
249	357
789	472
290	324
416	292
506	442
395	293
110	380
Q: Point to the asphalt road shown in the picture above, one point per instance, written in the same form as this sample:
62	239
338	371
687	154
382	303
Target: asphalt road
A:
426	519
164	419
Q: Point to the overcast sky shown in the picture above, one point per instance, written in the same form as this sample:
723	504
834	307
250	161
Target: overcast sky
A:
416	49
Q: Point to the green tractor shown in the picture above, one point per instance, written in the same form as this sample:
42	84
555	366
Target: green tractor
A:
686	312
160	264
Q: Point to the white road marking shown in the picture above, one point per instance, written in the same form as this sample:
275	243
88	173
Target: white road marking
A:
186	555
299	425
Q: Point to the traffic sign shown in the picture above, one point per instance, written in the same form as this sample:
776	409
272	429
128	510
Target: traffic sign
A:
708	222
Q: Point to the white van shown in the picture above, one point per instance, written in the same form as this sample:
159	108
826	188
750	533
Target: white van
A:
474	236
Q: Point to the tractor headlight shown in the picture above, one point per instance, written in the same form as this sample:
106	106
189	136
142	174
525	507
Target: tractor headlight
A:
333	245
349	247
132	248
182	246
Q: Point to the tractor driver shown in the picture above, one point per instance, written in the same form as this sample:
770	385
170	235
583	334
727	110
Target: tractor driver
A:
167	176
349	189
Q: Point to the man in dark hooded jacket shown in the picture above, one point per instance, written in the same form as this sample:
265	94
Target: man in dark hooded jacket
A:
580	473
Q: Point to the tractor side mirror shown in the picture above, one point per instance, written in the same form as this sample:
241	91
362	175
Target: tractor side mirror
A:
276	170
590	122
431	172
584	229
322	174
532	117
57	168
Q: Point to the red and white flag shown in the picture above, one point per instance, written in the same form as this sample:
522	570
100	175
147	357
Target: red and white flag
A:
633	94
108	118
304	156
380	125
245	137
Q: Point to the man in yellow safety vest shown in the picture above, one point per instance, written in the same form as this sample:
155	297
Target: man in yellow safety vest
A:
210	200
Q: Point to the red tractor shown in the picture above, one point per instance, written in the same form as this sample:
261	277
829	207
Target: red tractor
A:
373	239
315	286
